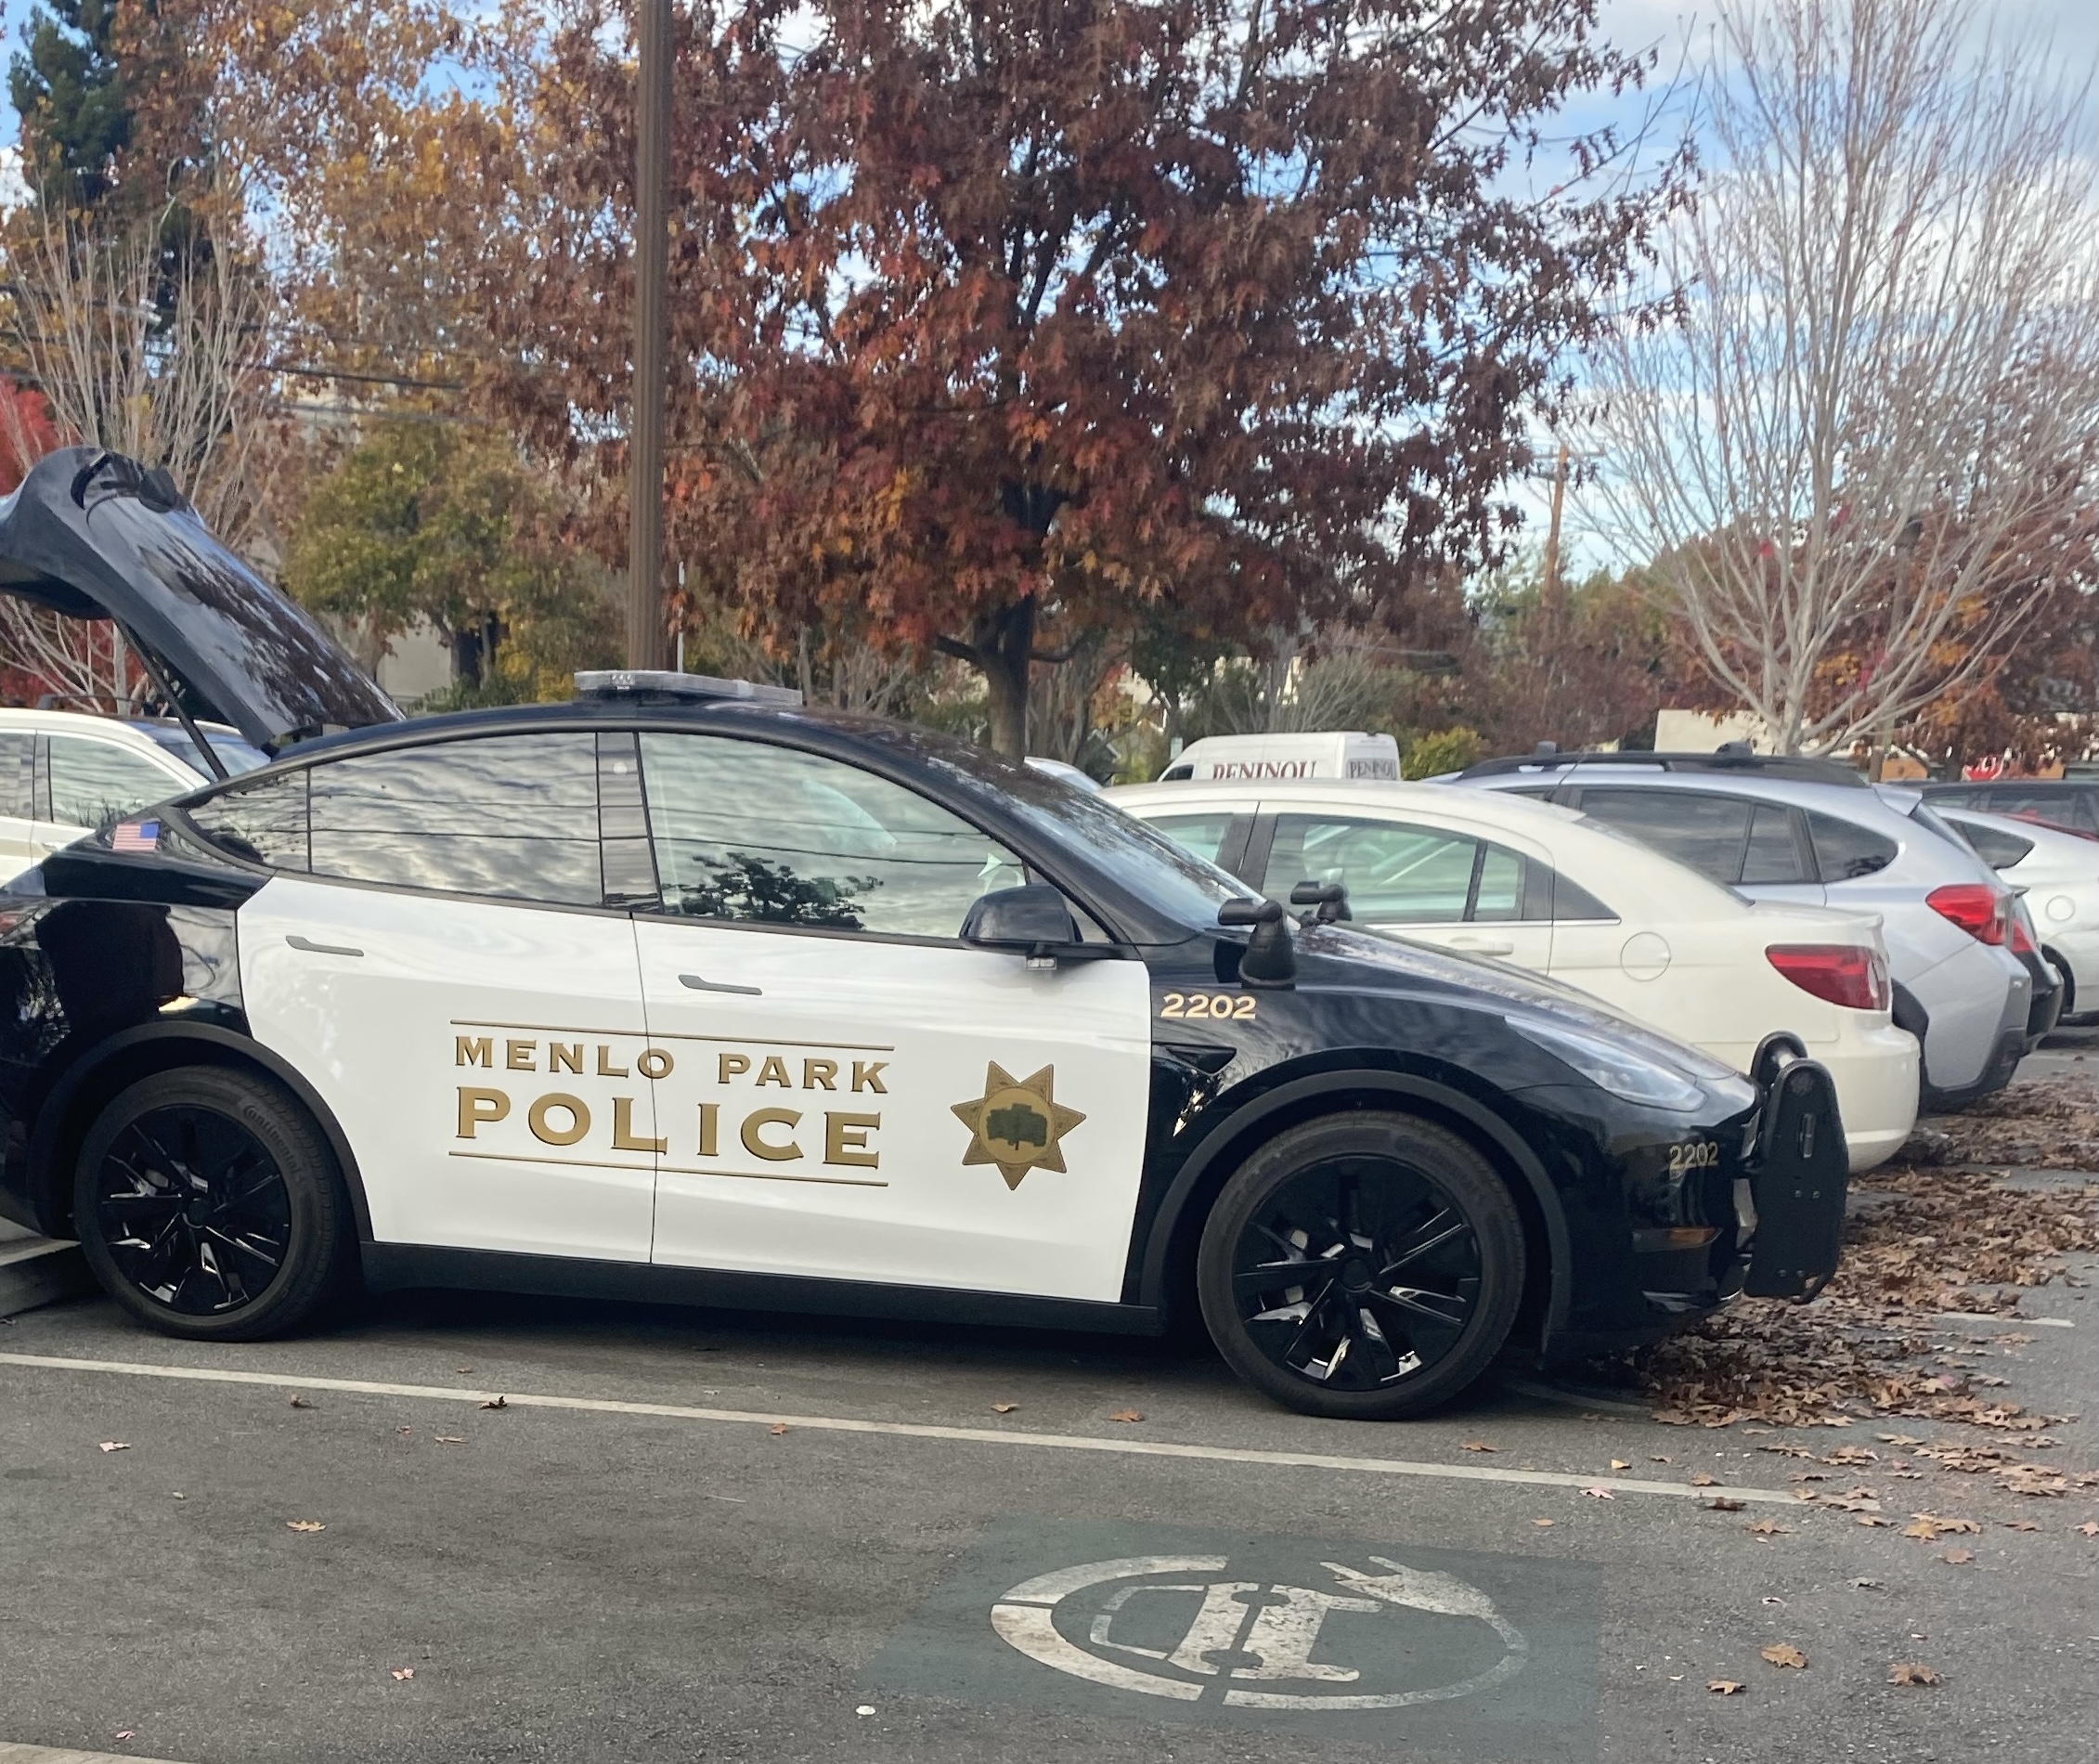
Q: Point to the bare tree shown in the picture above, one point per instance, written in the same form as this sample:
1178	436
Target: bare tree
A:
1867	450
148	356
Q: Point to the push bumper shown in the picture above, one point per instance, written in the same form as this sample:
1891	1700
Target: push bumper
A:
1790	1200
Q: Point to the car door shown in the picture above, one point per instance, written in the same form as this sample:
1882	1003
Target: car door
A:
439	957
18	801
88	782
1431	884
846	1090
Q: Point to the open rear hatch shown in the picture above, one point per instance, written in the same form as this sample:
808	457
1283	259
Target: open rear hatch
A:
94	534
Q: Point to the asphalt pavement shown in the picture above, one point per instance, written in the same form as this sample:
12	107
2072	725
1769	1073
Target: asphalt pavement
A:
711	1537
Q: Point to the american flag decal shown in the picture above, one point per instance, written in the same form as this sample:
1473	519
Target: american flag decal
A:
135	836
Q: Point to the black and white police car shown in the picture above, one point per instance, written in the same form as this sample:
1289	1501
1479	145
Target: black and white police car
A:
681	991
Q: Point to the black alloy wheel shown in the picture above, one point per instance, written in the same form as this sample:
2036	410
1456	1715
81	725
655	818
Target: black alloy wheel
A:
208	1205
1367	1266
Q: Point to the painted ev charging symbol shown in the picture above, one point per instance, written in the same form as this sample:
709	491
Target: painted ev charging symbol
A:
1255	1642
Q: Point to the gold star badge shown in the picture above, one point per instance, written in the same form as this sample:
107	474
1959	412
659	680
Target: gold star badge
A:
1017	1123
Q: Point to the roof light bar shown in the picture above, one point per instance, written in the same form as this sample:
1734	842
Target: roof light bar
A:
624	683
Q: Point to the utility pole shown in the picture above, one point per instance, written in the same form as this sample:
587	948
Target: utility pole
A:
1550	588
651	249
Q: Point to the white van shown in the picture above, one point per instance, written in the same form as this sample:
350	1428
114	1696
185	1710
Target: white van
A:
1345	754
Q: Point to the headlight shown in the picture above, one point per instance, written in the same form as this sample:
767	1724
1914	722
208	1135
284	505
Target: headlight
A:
1614	1065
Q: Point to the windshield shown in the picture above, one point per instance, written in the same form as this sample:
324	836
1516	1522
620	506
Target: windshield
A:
1146	863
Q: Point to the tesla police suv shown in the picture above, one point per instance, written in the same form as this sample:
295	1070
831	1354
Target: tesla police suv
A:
683	991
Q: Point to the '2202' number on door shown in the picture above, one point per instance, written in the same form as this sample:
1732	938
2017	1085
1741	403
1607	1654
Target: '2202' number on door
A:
1700	1155
1239	1006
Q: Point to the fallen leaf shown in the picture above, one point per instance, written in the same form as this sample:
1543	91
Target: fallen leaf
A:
116	1445
1477	1446
466	1368
125	1734
1701	1480
180	1496
1768	1528
2088	1529
404	1672
1958	1556
1870	1519
493	1402
1541	1523
1784	1654
303	1525
1127	1415
2018	1524
1725	1687
779	1428
1660	1458
1724	1504
1004	1408
299	1402
865	1708
450	1439
1621	1463
1600	1494
1911	1672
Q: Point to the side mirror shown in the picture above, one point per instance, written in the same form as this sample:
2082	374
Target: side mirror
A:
1032	919
1331	898
1270	959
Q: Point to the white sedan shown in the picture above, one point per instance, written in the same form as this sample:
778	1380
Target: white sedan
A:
2058	874
1555	893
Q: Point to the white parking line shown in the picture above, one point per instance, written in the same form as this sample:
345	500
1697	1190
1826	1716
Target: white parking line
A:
2009	1322
1121	1448
60	1755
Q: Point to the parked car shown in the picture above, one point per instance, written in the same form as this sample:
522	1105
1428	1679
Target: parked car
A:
1553	892
2057	875
1816	833
2071	804
63	773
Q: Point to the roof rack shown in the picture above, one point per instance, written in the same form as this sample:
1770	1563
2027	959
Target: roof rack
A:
1735	756
629	683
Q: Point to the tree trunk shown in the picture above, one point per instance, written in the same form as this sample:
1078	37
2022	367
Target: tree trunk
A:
1000	646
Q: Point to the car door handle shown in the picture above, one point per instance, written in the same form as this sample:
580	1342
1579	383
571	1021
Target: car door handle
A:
699	985
1483	946
321	949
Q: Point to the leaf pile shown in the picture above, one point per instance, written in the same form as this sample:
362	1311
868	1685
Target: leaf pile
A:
2027	1126
1930	1238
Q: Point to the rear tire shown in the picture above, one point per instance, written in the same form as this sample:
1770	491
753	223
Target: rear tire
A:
1364	1266
209	1206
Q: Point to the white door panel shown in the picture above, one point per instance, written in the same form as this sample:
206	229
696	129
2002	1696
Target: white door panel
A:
811	1116
485	1061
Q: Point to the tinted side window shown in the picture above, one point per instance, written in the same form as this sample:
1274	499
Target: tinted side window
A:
1705	832
1993	846
747	830
513	816
95	782
1570	900
1773	855
264	822
1201	833
2063	808
1844	851
18	775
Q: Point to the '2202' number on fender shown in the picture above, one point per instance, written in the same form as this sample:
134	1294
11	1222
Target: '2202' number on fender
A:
1703	1155
1217	1006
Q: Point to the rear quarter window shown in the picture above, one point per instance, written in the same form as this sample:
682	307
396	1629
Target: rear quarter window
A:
1844	851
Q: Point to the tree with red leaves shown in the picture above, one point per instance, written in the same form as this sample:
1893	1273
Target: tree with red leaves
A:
1000	323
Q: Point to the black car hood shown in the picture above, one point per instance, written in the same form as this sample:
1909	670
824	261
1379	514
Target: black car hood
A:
91	535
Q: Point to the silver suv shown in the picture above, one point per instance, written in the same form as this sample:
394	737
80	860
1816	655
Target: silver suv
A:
1813	831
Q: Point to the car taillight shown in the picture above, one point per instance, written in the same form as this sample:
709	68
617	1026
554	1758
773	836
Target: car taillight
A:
2021	943
1844	974
1984	912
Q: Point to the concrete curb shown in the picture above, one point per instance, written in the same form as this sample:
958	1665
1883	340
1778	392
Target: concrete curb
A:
60	1755
36	1271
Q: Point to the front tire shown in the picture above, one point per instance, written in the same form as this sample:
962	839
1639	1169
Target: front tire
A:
1364	1266
209	1206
